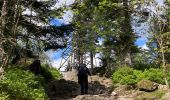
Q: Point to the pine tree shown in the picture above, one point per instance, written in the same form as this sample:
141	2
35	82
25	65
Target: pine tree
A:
26	24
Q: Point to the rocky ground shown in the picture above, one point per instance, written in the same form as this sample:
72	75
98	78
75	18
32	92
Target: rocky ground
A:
100	88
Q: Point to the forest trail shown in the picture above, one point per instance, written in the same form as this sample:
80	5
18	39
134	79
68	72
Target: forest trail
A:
100	88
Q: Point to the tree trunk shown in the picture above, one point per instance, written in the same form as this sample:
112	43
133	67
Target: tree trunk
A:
163	58
81	59
163	64
3	15
128	59
166	82
4	12
91	61
126	28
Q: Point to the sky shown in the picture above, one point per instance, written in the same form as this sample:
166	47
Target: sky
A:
55	56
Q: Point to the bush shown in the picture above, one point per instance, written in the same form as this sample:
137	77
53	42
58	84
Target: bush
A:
168	77
127	75
155	75
56	74
139	75
124	76
20	84
50	73
4	96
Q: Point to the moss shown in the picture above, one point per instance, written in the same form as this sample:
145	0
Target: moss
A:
156	95
146	85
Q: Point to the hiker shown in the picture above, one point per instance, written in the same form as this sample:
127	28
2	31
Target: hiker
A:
83	73
35	67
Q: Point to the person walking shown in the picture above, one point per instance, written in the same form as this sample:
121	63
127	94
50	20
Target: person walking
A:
83	73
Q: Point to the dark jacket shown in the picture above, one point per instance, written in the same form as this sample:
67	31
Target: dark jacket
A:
83	74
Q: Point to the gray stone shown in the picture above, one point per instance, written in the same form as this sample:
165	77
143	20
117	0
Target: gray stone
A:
114	93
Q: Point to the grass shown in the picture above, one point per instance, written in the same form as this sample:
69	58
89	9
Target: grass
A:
156	95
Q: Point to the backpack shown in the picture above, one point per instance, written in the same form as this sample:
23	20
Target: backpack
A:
82	71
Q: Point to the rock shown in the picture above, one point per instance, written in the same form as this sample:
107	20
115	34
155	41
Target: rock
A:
146	85
162	87
114	93
70	75
91	97
123	89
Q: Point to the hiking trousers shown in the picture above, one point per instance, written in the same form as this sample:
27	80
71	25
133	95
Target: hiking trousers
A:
84	86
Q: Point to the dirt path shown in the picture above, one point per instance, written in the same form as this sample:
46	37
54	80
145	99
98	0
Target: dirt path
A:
100	88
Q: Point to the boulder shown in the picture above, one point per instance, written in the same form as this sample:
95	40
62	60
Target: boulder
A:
147	85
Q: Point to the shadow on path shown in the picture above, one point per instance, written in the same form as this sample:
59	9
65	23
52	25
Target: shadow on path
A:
95	88
66	89
61	89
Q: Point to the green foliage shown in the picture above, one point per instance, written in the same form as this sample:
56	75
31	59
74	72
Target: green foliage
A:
30	33
4	96
143	65
155	75
124	75
138	75
56	74
50	73
144	60
168	78
20	84
107	20
127	75
99	70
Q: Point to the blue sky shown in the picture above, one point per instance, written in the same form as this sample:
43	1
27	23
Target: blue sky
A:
57	22
141	41
57	54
